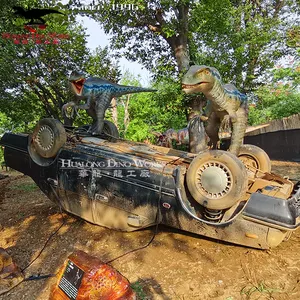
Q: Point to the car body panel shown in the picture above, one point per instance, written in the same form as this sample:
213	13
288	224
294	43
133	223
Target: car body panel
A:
128	186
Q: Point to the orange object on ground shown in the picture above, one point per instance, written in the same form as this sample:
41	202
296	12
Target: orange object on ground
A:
84	277
10	273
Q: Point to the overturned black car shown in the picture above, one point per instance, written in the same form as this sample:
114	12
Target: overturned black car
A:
128	186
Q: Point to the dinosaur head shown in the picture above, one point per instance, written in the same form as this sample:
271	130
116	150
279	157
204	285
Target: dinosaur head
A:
200	79
77	81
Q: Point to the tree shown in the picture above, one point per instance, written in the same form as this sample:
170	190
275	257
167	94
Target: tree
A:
102	63
241	38
143	113
34	77
245	39
274	102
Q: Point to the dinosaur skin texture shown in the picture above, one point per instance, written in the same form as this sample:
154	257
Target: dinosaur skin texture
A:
181	137
225	104
99	93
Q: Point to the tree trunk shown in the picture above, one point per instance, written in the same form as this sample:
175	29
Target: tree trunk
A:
126	114
114	112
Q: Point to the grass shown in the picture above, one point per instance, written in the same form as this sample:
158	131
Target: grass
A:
138	288
261	288
26	187
257	287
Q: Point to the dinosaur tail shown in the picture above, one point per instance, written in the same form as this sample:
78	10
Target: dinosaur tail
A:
50	11
123	90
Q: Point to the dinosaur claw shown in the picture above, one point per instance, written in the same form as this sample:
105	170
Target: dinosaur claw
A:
65	112
203	118
76	111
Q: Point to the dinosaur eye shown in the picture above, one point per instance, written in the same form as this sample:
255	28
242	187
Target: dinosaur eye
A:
206	72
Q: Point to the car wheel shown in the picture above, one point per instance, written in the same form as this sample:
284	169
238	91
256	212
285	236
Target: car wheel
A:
111	130
217	179
48	137
256	157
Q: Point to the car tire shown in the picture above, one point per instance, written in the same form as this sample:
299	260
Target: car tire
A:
48	137
255	157
217	179
111	130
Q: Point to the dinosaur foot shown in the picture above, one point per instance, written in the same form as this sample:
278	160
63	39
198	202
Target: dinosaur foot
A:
203	118
73	110
93	130
234	151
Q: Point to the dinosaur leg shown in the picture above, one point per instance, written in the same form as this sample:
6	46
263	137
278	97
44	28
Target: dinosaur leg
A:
169	143
238	131
97	127
101	104
212	130
232	115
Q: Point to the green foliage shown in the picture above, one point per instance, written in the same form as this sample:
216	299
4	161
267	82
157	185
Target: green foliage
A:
138	130
5	123
25	187
101	63
139	290
243	40
274	103
151	112
136	36
260	288
33	77
156	112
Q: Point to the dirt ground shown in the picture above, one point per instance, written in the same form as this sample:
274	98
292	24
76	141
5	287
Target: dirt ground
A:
176	265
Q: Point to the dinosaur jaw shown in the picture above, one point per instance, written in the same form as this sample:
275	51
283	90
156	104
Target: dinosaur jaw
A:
78	86
194	88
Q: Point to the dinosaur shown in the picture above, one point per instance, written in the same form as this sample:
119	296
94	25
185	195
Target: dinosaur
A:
225	104
165	139
34	14
181	136
99	93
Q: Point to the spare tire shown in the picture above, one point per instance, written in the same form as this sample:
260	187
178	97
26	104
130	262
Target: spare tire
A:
111	130
256	157
48	137
217	179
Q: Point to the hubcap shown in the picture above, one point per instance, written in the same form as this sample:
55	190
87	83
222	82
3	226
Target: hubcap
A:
214	179
45	138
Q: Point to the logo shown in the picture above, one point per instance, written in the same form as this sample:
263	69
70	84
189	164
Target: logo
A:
92	5
35	23
110	167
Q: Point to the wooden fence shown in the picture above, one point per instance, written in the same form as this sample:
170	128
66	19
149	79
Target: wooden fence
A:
279	138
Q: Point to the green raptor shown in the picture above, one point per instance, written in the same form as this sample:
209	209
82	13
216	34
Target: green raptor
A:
225	104
99	93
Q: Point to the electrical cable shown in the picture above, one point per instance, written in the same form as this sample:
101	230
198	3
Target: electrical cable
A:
45	245
157	220
158	213
37	277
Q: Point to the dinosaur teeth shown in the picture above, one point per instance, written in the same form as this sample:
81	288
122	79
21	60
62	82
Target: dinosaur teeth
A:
188	86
